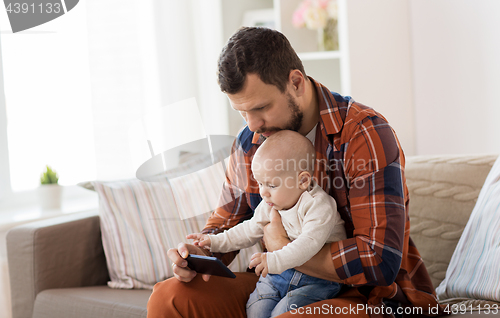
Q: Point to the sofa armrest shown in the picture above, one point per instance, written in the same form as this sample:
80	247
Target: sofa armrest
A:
60	252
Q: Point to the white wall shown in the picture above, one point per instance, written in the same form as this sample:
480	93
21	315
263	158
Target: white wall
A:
456	51
232	19
380	62
432	68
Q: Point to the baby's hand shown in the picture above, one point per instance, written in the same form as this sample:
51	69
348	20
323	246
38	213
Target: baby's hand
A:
259	261
201	240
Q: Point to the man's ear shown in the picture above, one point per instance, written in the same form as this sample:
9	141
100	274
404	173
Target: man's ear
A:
305	180
298	82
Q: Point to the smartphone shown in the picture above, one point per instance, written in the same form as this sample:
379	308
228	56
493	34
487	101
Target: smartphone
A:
208	265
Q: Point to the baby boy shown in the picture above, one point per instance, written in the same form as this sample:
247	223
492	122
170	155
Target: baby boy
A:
283	167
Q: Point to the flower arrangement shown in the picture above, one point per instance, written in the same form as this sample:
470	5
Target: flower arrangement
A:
320	15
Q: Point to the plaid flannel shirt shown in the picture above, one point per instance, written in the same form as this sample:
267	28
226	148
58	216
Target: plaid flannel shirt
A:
360	163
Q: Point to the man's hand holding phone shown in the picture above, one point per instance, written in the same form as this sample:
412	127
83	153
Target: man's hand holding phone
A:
179	264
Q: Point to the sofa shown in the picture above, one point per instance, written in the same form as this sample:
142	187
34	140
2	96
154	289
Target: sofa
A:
58	268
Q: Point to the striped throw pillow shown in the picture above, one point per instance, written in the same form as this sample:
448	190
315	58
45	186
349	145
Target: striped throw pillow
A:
141	220
474	269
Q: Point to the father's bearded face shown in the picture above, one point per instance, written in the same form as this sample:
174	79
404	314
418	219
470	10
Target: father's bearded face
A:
265	108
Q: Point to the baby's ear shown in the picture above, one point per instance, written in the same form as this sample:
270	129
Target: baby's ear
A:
304	180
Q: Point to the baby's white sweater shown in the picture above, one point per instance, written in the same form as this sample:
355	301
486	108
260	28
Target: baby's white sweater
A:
310	223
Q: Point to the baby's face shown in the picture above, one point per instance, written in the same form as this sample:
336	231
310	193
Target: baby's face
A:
279	189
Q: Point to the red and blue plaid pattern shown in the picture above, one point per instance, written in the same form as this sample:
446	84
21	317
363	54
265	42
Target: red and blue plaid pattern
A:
360	163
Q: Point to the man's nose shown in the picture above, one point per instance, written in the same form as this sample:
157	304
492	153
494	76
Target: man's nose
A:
254	122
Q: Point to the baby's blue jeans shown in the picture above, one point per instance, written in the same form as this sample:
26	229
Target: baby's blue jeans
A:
277	294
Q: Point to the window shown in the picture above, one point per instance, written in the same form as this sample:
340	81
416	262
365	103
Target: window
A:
75	85
48	101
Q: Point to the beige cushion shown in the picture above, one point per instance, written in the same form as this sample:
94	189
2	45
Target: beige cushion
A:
440	203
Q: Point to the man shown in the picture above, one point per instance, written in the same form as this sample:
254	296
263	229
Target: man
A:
359	162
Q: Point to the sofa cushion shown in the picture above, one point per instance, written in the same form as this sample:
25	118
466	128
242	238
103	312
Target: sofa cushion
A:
141	220
440	203
474	270
91	302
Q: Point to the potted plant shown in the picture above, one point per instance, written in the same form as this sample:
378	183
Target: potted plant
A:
50	191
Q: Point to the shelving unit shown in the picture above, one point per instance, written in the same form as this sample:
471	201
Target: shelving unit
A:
374	57
331	68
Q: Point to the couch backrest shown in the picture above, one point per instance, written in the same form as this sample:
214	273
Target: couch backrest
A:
443	192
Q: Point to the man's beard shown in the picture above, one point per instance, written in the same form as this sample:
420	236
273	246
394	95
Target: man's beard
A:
295	122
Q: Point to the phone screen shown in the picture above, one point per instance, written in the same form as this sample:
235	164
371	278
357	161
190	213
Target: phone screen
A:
208	265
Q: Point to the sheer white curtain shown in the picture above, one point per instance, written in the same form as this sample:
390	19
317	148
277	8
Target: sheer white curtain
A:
74	87
144	55
4	155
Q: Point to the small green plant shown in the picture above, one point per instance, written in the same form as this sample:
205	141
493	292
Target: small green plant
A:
49	177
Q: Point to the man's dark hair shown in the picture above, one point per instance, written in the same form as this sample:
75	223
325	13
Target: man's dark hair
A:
257	50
